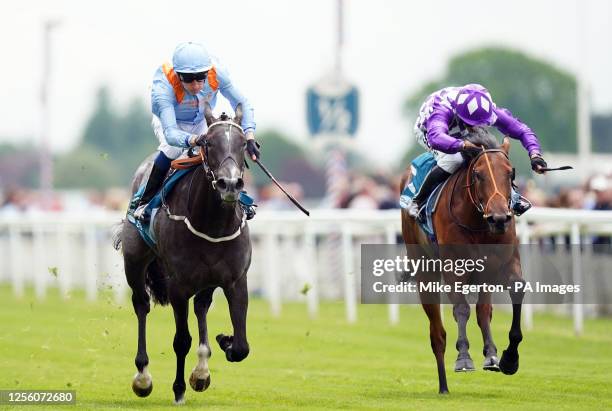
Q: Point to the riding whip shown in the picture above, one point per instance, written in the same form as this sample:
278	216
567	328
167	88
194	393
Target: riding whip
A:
557	168
293	200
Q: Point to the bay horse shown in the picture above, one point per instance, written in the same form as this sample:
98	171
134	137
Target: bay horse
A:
202	243
474	209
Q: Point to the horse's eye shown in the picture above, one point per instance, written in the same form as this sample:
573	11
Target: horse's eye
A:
478	176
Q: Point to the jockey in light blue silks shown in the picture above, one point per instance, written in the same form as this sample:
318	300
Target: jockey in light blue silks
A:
178	95
443	122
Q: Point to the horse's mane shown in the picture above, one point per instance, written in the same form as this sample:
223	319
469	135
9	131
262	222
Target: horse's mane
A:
480	136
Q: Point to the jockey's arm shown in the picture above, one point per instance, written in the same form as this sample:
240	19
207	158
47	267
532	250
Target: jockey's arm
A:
235	97
437	132
162	102
509	125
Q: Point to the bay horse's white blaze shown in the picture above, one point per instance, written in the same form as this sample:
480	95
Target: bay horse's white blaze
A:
143	380
201	372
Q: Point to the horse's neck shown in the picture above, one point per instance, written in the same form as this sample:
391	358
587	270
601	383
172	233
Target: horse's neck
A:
207	212
462	207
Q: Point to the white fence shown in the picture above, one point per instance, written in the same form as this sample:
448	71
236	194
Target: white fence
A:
294	257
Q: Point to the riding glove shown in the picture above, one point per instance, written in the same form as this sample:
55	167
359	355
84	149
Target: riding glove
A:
537	161
253	148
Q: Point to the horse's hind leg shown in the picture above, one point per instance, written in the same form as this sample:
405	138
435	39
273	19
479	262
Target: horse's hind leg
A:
182	343
200	376
236	347
484	313
136	257
437	335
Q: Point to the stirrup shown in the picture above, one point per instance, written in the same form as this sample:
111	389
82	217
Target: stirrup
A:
521	206
248	205
421	216
249	210
141	214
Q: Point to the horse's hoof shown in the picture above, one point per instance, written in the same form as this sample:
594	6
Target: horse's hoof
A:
224	341
199	384
443	391
509	363
142	384
179	401
491	364
142	392
464	365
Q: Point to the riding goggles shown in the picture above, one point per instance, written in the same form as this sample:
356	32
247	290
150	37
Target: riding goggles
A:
191	77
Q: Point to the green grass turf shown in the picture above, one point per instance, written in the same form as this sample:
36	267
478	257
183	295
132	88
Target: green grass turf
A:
295	361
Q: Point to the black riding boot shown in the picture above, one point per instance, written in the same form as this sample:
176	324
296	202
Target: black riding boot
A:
156	178
435	177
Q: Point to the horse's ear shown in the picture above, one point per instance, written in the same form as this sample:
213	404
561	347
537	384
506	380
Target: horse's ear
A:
506	145
208	115
238	116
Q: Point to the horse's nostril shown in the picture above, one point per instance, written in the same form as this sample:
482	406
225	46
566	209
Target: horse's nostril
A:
240	184
221	184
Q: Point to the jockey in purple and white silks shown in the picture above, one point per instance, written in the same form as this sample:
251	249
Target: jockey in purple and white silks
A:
178	96
442	124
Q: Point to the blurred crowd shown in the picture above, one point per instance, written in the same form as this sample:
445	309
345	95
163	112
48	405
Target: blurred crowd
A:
354	191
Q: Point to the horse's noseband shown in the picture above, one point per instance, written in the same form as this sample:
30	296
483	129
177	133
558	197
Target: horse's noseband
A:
470	180
210	173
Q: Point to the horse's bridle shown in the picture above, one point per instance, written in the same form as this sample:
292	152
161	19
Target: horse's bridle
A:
210	173
470	182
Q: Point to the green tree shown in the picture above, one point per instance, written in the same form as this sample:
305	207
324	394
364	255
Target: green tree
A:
541	95
287	161
601	129
112	147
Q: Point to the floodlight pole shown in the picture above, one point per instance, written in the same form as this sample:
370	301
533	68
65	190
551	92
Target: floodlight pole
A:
45	159
582	93
340	36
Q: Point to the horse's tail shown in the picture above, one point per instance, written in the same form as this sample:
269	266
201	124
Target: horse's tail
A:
116	231
157	283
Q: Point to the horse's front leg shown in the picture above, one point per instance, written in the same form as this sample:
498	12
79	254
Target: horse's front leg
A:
200	376
182	343
509	362
236	347
484	313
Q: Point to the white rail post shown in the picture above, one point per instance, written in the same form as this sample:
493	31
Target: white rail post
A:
525	240
273	259
64	274
41	273
16	256
348	268
577	311
312	296
91	272
393	306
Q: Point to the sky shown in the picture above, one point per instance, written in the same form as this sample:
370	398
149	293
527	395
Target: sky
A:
275	50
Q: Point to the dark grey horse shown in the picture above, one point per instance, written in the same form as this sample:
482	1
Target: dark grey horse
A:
202	243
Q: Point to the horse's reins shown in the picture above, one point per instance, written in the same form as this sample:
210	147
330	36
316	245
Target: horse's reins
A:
470	183
210	175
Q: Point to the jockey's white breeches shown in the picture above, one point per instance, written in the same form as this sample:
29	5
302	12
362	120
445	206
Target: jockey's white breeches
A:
173	152
447	162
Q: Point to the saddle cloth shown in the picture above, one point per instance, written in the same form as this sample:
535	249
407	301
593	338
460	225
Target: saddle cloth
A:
419	168
145	229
